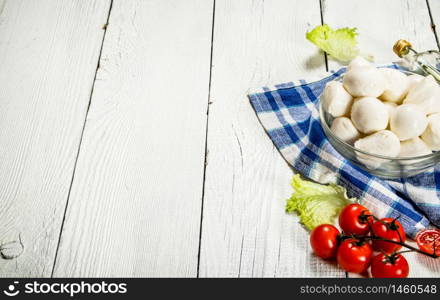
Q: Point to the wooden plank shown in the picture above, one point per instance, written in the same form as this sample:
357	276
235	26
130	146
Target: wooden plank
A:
48	52
245	229
135	205
379	29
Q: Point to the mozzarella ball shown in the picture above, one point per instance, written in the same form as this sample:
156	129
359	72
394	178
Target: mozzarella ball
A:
408	121
383	142
344	129
364	81
369	114
414	79
413	147
431	136
336	100
396	85
391	107
358	61
425	94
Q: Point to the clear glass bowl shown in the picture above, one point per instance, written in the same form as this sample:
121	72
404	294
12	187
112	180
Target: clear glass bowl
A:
379	165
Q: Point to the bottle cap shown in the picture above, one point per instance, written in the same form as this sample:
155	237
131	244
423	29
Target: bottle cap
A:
401	47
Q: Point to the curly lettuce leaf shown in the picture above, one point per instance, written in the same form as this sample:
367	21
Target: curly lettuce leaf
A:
315	203
340	44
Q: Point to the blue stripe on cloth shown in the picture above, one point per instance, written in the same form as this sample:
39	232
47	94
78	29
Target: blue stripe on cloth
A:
291	98
437	181
283	136
310	94
290	116
271	100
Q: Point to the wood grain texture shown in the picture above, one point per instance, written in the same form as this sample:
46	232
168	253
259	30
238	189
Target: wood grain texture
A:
245	229
380	24
48	56
135	205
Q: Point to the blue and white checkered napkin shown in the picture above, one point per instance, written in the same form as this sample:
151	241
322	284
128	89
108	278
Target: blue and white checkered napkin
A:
289	114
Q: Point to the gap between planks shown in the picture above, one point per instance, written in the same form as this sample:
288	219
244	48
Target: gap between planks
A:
433	27
104	27
206	138
321	9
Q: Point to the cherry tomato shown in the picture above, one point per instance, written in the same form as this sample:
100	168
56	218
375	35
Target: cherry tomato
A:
428	240
324	240
354	255
355	219
393	266
390	229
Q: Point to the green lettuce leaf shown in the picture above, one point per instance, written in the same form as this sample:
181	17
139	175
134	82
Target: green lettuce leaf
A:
315	203
340	44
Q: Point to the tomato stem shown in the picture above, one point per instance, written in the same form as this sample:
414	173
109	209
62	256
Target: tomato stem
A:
372	237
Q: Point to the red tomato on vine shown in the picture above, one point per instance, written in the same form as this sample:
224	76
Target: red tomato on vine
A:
389	266
390	229
324	241
355	219
354	255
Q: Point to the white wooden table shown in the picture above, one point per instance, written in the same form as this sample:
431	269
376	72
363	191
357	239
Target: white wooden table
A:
128	146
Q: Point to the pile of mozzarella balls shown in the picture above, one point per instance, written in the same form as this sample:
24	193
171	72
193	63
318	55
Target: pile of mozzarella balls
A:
383	111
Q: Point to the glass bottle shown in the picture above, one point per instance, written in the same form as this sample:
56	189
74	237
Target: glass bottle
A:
428	61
